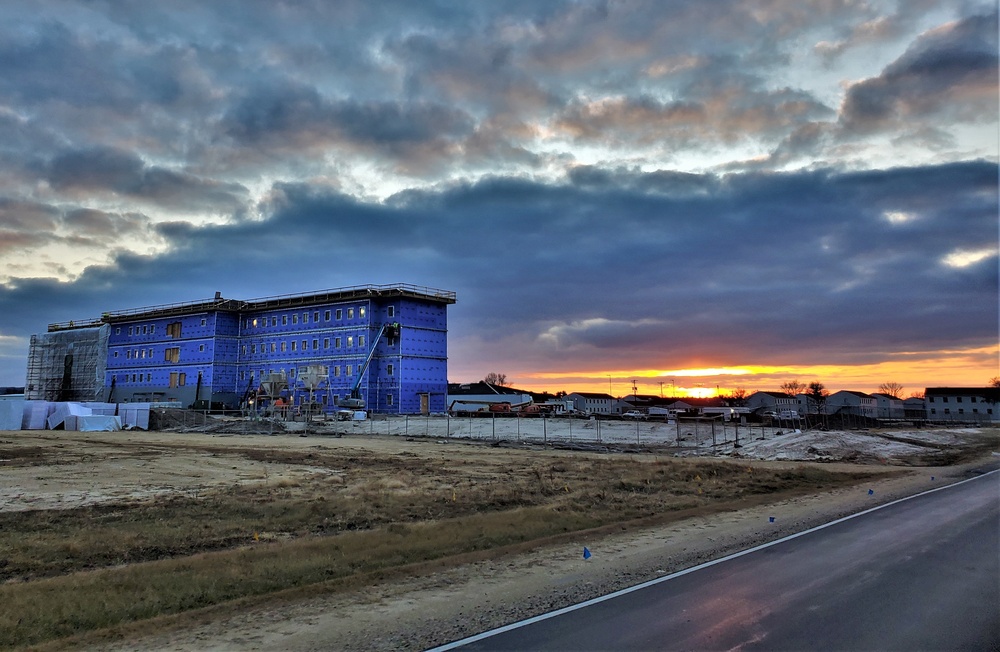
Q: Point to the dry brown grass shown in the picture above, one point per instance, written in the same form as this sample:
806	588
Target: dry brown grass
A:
67	572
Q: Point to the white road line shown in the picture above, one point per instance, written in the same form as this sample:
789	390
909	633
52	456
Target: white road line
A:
658	580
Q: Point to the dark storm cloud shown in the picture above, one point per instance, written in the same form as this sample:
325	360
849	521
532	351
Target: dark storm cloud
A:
297	118
949	73
648	267
109	170
50	61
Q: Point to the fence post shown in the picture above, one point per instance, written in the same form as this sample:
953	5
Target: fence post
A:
545	430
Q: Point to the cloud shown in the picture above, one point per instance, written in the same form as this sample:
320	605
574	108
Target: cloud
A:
949	73
23	215
101	224
632	268
725	115
297	119
82	173
600	333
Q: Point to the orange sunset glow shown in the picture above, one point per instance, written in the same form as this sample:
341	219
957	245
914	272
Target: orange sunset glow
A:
915	371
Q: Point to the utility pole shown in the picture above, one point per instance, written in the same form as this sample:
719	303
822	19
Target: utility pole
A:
634	391
661	389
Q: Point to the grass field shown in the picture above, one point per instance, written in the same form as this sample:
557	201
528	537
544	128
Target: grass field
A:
353	516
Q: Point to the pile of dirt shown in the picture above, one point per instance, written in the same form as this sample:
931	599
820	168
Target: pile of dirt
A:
178	420
240	427
175	419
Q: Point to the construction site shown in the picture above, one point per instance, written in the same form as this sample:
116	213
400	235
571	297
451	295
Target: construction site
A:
340	353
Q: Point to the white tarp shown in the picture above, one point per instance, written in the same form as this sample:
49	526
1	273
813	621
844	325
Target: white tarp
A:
63	410
107	409
41	415
11	412
35	414
98	423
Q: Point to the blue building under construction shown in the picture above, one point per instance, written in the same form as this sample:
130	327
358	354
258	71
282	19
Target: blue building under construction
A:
383	348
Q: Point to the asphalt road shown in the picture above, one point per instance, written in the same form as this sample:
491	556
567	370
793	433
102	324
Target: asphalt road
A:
918	574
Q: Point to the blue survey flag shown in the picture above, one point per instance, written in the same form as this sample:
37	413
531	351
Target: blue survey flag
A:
586	552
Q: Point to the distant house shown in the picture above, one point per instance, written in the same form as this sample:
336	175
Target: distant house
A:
771	401
914	408
850	402
594	403
888	406
962	403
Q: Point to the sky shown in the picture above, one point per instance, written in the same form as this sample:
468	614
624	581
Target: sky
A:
689	196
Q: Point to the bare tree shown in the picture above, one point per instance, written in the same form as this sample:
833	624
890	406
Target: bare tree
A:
894	390
917	394
816	396
496	378
793	387
995	381
739	397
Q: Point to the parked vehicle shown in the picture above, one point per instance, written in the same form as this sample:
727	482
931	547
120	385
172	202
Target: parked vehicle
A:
635	414
788	414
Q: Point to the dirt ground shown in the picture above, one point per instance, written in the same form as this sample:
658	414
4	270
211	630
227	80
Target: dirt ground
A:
59	470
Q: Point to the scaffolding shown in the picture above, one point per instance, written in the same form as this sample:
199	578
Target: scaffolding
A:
68	365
